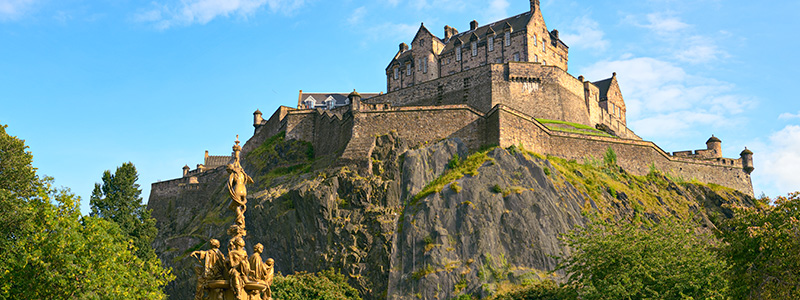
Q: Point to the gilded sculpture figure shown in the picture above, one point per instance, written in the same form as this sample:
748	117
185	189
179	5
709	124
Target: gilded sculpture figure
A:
237	185
260	271
213	264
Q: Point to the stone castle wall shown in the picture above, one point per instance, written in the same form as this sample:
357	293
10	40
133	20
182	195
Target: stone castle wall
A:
634	156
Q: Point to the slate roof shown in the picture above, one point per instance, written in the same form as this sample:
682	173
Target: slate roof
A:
518	22
214	161
340	98
603	86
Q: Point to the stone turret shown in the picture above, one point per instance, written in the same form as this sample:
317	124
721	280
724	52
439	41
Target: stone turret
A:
715	144
355	100
186	170
747	160
257	118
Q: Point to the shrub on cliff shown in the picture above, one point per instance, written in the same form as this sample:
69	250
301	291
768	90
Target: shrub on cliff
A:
325	285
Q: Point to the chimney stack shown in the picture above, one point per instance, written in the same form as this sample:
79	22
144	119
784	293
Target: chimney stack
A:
449	32
403	47
534	5
473	25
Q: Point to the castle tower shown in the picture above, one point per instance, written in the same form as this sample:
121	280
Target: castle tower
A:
355	100
257	118
715	144
186	170
747	160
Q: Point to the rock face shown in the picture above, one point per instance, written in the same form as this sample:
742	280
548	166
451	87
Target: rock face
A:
394	233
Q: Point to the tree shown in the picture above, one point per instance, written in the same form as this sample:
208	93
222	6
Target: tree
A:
49	251
632	260
119	200
325	285
762	244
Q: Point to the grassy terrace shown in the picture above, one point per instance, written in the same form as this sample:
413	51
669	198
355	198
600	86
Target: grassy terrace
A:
563	126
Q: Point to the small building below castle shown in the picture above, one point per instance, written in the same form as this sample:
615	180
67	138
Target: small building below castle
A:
326	100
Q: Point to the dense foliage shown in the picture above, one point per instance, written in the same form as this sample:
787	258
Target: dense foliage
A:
762	244
631	260
49	251
325	285
119	200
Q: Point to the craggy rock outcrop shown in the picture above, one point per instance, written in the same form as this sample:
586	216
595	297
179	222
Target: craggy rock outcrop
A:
497	223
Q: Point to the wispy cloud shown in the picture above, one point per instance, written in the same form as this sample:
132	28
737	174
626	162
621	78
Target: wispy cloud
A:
788	116
186	12
357	15
498	9
14	9
585	33
660	23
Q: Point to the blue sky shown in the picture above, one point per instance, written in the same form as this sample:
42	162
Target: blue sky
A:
92	84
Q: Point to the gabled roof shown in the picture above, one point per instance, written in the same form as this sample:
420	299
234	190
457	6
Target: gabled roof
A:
213	161
423	30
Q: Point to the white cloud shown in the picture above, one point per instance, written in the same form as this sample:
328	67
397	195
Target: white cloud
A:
777	163
13	9
664	101
585	33
187	12
788	116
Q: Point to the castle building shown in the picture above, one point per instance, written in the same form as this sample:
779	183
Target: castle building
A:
503	84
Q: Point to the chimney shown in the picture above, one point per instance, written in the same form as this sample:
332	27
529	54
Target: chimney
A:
403	47
473	25
555	34
534	5
449	32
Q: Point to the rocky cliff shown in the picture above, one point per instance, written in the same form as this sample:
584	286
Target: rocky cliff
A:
432	222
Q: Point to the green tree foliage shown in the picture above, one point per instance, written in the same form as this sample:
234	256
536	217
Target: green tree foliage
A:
118	199
630	260
53	252
325	285
762	244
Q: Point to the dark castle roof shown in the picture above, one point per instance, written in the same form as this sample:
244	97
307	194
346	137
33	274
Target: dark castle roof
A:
340	98
214	161
518	22
603	86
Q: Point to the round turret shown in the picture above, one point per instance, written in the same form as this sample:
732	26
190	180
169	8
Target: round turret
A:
355	99
747	160
186	170
257	118
715	144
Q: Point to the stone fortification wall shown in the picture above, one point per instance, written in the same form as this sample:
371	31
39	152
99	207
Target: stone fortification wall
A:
471	87
634	156
268	128
544	92
192	182
328	130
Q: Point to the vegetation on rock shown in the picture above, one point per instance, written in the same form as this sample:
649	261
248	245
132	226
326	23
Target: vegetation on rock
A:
325	285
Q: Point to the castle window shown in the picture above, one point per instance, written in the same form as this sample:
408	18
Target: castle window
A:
544	46
534	40
396	72
458	53
516	56
419	64
408	69
535	57
544	62
499	60
507	38
425	66
474	46
490	43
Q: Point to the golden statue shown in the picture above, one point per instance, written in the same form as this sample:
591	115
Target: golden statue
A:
237	185
240	268
212	267
260	271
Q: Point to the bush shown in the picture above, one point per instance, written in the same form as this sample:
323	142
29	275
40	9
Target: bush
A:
325	285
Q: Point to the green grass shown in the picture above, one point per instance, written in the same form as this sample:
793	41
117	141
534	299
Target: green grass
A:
469	166
576	128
